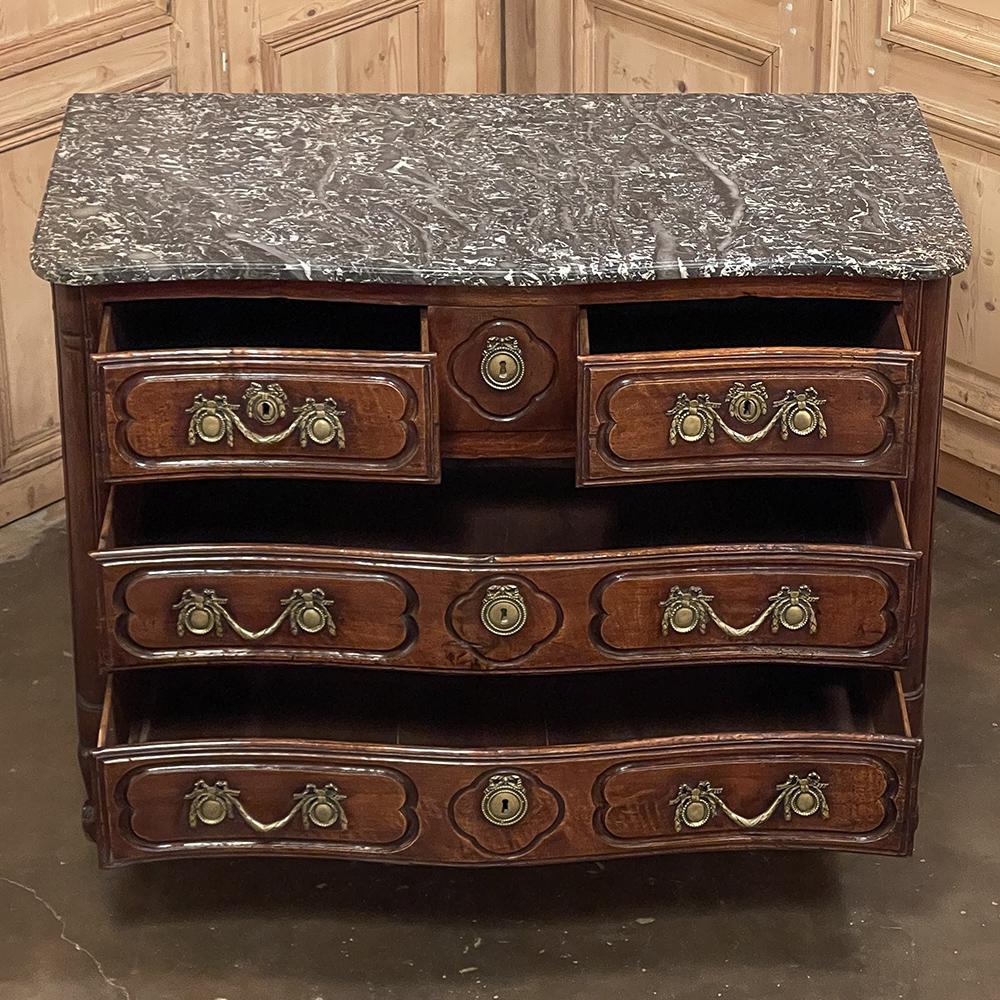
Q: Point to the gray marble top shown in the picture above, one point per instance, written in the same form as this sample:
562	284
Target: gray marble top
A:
495	189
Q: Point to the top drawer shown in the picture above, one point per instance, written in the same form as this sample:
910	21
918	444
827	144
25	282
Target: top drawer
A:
840	399
182	404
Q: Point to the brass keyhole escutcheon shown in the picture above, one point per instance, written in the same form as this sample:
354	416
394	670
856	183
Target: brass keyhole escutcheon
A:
266	404
505	801
747	404
502	366
504	611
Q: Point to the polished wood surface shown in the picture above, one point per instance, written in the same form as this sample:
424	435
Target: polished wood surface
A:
866	399
53	49
304	622
598	762
476	416
386	404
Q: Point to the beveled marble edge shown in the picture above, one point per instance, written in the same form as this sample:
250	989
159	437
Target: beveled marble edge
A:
887	270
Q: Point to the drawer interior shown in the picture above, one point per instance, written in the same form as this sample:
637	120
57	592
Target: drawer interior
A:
695	324
521	508
151	324
469	712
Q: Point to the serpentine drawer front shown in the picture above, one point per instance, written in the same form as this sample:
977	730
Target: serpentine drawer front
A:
207	583
829	412
367	416
603	610
166	794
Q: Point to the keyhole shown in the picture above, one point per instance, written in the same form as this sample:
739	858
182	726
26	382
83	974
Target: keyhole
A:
503	368
503	618
747	408
504	805
265	411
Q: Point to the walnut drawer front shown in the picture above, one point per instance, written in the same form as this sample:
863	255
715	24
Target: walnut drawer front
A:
778	411
507	379
810	571
378	779
352	415
602	610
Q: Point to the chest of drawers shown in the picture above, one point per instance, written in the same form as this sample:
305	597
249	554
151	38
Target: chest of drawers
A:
485	480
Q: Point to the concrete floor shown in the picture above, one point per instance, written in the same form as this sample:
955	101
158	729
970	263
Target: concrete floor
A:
798	926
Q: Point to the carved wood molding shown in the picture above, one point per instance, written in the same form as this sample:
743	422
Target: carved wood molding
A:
60	41
682	24
972	393
943	30
323	26
954	124
47	121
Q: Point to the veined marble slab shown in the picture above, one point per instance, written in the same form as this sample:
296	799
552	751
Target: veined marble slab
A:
495	189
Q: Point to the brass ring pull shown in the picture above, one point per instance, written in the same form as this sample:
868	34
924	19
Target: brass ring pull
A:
215	419
799	412
200	612
211	804
798	796
690	608
504	611
502	366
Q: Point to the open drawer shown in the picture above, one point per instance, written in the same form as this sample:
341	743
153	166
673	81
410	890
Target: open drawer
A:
306	762
830	388
193	388
479	575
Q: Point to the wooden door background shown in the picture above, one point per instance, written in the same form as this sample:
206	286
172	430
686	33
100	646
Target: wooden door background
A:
947	53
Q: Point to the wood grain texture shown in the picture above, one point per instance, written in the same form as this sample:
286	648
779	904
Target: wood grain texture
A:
388	407
587	610
51	50
541	401
587	803
869	404
86	498
597	778
48	52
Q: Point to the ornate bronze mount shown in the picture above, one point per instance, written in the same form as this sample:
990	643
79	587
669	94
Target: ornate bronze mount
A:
504	611
211	804
690	608
505	801
798	412
215	419
200	612
798	796
502	366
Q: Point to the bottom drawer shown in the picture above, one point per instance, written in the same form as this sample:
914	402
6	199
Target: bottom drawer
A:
494	770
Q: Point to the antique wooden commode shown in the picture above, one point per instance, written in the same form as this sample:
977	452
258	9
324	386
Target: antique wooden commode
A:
488	479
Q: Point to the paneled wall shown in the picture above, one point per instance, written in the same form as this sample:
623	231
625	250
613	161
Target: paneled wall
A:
948	53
